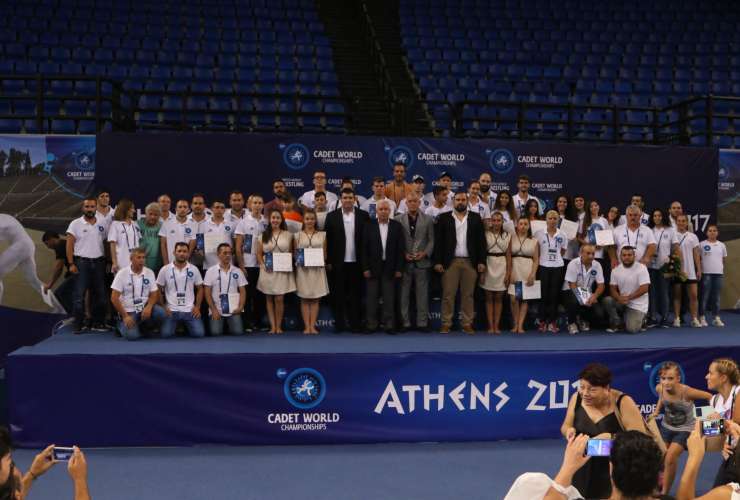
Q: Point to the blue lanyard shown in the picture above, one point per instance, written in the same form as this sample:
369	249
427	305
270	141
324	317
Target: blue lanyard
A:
185	288
228	286
586	283
133	288
660	238
627	235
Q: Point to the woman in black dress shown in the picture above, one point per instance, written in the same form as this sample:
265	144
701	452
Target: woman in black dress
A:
593	411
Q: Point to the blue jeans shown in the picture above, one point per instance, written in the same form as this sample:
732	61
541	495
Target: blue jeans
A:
158	316
193	325
91	276
711	289
65	293
236	327
659	296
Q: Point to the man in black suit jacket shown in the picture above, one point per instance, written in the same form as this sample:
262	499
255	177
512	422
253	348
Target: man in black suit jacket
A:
343	243
382	261
459	257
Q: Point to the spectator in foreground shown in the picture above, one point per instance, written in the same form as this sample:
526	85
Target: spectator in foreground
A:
65	290
696	445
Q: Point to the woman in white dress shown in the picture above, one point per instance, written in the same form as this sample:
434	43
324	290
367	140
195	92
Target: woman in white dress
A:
495	280
275	284
310	281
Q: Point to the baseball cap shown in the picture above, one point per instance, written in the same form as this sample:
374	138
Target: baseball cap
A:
417	178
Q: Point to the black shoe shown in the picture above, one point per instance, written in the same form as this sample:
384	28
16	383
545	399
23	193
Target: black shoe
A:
99	327
404	329
390	331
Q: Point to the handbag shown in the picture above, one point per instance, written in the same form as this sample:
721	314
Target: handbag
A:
650	427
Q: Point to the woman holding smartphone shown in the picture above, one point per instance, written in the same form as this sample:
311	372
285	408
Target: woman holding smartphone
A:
723	378
677	402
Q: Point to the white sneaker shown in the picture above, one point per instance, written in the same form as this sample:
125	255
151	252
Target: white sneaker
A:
703	321
572	328
584	326
677	323
695	323
717	321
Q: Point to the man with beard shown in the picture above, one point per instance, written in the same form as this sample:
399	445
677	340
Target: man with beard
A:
628	293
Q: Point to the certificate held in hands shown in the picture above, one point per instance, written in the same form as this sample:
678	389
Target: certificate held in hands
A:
282	262
569	228
211	242
604	238
521	291
538	225
313	257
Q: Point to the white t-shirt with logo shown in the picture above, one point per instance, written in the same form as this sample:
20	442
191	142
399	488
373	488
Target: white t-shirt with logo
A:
105	219
231	217
639	238
251	229
179	286
712	257
135	289
629	279
174	231
481	208
435	212
126	237
551	247
665	238
88	237
644	219
222	281
370	206
225	232
308	200
423	205
686	243
450	198
582	276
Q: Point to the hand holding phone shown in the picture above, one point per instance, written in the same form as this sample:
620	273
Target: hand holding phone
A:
62	453
712	427
599	447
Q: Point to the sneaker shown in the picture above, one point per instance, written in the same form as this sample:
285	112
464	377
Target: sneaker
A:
666	324
612	329
703	321
717	321
583	325
695	323
553	327
677	323
651	323
99	327
572	328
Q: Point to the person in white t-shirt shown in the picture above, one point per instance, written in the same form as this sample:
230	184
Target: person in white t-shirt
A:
675	210
307	199
181	289
216	230
439	205
628	293
175	230
225	293
688	250
444	180
552	243
522	196
370	206
165	203
639	201
713	255
197	219
633	234
417	183
104	212
247	234
123	235
236	211
135	295
665	246
593	221
321	210
487	195
476	204
504	205
584	285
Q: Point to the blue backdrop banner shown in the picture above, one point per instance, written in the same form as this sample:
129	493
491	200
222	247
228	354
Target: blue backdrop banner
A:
241	398
144	165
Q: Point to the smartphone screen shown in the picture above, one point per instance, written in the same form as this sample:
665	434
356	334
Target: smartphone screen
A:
599	447
712	427
62	454
703	411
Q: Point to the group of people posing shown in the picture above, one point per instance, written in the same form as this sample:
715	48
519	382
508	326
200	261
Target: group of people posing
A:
380	260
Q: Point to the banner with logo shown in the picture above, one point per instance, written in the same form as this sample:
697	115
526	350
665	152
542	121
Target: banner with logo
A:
144	165
243	398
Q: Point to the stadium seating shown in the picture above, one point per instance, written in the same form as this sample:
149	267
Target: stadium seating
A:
639	54
169	56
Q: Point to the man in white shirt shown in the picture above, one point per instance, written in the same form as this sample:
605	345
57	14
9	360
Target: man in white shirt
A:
86	259
628	293
522	196
370	206
486	195
320	207
639	201
444	180
476	204
236	211
225	292
247	233
417	183
198	219
135	295
675	210
177	229
104	212
181	289
633	234
165	204
584	285
216	230
319	186
439	205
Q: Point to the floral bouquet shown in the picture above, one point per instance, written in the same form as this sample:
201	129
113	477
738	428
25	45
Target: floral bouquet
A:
673	269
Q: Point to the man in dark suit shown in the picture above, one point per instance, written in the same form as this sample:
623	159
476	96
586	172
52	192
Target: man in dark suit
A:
382	253
459	254
418	230
343	243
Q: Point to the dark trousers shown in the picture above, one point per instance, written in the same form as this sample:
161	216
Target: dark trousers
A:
254	309
595	314
378	286
65	292
551	279
91	276
346	296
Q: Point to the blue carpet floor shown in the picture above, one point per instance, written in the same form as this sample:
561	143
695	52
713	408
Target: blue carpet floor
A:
468	471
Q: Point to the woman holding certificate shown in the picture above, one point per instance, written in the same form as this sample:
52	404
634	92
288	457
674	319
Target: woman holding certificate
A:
495	280
310	276
525	257
275	256
552	243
